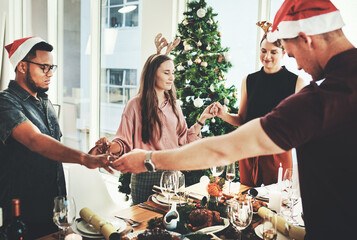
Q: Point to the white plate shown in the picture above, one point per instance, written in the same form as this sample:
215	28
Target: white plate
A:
84	229
216	228
259	231
154	198
163	200
135	234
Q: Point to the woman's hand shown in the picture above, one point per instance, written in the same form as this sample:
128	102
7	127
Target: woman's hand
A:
207	113
219	110
101	146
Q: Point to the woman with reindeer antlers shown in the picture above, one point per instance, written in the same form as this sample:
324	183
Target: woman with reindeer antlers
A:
152	120
261	92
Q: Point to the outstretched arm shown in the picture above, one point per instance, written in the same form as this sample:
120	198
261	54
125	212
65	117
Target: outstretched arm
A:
30	136
247	141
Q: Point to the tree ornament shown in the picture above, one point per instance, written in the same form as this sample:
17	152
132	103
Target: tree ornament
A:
187	48
215	42
235	95
220	58
226	101
211	87
180	68
200	30
201	13
220	78
213	120
209	21
219	34
208	48
185	43
185	23
198	60
204	64
189	62
198	102
199	44
227	56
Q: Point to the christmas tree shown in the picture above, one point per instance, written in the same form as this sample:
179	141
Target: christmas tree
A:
201	63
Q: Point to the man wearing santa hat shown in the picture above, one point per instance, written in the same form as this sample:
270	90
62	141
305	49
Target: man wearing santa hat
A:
30	151
320	122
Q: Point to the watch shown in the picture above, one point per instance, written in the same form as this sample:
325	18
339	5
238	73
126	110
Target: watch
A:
149	165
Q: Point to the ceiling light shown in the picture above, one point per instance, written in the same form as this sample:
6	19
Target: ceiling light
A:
127	9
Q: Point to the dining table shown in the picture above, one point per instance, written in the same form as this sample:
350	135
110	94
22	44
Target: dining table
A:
143	215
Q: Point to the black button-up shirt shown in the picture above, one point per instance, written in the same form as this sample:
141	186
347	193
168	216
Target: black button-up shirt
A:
24	174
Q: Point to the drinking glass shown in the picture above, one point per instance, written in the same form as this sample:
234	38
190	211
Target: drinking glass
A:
230	174
288	179
64	213
168	184
270	227
217	171
240	214
180	186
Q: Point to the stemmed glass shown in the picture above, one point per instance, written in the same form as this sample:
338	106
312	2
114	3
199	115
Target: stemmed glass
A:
290	196
64	213
240	214
230	174
217	171
168	184
180	185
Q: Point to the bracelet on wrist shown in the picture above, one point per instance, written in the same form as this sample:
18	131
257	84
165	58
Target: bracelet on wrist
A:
200	123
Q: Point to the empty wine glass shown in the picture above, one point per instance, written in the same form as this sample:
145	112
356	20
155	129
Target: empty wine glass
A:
180	185
240	214
168	184
288	179
64	213
217	171
230	174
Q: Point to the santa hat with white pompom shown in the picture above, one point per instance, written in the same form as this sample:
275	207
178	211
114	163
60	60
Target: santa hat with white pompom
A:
311	17
20	48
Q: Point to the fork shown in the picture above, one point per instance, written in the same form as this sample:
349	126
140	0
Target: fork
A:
132	222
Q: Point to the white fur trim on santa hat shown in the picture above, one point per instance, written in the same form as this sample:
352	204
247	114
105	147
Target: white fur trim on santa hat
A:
23	50
311	26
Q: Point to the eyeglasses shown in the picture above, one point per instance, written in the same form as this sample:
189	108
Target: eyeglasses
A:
45	67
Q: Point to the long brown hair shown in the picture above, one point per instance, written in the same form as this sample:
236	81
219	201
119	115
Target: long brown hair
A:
150	119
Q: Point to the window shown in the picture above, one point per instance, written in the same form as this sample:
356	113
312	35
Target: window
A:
115	19
120	85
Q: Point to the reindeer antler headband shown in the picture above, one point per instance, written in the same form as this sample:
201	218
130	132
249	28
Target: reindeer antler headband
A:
264	25
161	42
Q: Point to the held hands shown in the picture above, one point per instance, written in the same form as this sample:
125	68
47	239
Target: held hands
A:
99	161
101	146
132	162
218	110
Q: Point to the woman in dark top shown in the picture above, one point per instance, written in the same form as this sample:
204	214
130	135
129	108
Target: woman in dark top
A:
260	93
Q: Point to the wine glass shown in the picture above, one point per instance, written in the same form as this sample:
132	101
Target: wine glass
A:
64	213
288	179
180	185
230	174
270	227
168	184
240	214
217	171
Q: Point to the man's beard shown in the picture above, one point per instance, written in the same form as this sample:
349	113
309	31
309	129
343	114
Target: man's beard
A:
32	85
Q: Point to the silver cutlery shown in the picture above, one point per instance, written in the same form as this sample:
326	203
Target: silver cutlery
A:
151	208
132	222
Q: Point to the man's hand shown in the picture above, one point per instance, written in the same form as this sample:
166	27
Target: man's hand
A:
219	110
96	161
132	162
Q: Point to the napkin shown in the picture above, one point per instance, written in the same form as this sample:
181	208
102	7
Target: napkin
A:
294	232
101	225
195	196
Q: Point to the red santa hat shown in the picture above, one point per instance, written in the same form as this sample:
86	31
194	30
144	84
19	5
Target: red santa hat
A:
20	48
311	17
